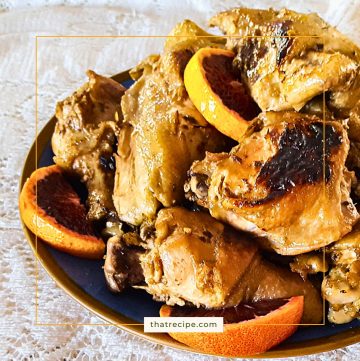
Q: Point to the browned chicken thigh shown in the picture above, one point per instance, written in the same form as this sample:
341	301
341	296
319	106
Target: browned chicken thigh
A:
287	58
194	258
281	183
163	133
84	138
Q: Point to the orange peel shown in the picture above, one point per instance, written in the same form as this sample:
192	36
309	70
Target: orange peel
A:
248	337
218	93
52	210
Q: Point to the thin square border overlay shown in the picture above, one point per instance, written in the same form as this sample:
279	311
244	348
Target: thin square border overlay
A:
36	323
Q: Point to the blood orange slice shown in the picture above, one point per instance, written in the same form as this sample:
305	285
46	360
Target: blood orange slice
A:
52	210
218	93
249	329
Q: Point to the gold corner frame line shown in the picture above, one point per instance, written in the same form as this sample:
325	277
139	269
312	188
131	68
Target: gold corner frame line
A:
176	36
324	195
42	324
36	186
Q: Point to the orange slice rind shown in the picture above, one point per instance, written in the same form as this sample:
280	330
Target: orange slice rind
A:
52	210
245	338
218	93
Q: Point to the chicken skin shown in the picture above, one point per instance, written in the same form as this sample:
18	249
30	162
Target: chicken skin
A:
353	161
194	258
84	138
282	183
162	133
287	58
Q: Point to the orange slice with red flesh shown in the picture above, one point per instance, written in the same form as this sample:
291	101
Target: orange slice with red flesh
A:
218	93
249	329
52	210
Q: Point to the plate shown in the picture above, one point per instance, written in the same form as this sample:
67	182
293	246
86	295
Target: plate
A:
84	281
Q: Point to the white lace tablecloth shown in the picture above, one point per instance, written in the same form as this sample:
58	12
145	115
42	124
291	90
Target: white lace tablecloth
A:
61	67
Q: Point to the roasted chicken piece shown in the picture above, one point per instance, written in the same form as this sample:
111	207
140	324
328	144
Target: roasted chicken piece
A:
341	287
196	259
122	266
163	133
310	263
281	183
84	139
353	160
354	123
287	58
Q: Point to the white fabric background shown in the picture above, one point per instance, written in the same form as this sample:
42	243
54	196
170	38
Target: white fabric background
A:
62	64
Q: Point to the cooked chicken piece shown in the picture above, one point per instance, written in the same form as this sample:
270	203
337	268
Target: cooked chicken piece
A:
341	287
278	185
354	123
287	58
163	133
196	259
309	263
342	103
353	163
84	139
353	159
122	266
